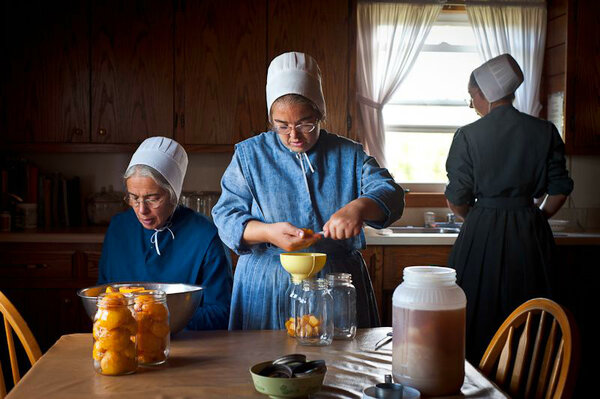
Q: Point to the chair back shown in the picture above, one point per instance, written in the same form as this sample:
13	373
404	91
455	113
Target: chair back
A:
14	322
535	353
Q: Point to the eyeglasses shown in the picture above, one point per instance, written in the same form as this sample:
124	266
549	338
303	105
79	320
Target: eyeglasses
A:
135	201
301	127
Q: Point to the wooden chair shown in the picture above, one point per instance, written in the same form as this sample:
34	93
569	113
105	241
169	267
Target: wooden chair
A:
535	353
14	321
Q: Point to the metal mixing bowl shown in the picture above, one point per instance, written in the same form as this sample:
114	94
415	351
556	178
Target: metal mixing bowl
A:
182	300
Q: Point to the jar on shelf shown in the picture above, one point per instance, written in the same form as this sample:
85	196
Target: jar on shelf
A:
429	318
153	332
292	295
344	305
314	313
114	333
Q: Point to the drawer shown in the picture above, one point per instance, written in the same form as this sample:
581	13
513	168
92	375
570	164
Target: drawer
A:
31	264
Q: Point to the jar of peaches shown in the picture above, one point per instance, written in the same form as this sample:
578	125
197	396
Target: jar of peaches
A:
153	333
114	335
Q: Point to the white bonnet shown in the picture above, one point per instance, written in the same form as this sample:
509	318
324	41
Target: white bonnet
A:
166	156
498	77
294	73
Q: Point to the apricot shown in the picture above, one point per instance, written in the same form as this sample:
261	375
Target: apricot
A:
156	311
146	358
98	351
160	329
114	363
115	340
114	317
128	289
149	343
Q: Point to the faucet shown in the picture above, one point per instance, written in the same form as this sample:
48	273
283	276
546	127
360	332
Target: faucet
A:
451	218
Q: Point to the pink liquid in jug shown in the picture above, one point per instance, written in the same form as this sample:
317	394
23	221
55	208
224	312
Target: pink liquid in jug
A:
429	349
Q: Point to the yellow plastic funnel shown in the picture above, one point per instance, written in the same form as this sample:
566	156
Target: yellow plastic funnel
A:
302	265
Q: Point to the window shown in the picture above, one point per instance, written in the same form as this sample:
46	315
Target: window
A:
431	104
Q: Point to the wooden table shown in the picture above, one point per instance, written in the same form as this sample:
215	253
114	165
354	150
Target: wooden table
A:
214	364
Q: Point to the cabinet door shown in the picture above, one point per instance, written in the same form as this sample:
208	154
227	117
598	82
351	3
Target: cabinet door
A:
582	134
221	71
132	70
45	71
320	29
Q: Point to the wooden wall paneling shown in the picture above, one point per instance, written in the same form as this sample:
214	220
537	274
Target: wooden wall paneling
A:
321	30
557	31
556	8
224	61
555	60
555	83
45	72
132	70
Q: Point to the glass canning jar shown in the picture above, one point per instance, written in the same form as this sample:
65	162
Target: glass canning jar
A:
292	294
114	331
314	313
153	334
344	305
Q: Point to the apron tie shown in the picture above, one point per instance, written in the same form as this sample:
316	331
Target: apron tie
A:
154	238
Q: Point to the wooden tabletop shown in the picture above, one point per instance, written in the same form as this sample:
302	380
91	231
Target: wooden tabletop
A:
214	364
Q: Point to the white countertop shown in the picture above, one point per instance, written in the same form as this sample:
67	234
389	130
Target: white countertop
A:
379	237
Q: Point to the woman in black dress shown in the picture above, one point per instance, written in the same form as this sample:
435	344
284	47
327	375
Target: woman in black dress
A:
496	167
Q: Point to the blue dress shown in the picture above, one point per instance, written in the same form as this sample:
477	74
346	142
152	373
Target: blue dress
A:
265	181
195	256
504	254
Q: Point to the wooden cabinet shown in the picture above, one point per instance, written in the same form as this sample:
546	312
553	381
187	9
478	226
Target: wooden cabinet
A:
106	74
42	279
221	72
323	30
132	70
44	88
582	108
571	67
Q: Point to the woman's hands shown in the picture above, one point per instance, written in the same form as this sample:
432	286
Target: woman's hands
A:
283	235
348	221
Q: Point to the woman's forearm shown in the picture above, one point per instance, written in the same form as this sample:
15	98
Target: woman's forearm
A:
255	233
551	204
460	210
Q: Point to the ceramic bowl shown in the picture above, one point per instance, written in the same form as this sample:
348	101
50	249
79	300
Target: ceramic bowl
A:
285	387
302	265
182	300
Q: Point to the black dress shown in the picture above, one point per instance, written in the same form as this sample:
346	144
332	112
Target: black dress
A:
504	252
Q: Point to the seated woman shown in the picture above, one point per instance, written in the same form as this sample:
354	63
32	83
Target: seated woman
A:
296	176
157	240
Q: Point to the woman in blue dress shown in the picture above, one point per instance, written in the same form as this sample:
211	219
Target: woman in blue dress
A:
158	241
293	177
497	165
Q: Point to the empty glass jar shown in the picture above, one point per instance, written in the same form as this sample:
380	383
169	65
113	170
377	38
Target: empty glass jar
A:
344	305
314	313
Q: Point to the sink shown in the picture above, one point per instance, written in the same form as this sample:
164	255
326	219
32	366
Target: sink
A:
420	230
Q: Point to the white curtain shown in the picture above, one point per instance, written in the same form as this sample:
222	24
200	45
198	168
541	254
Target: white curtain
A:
517	27
390	36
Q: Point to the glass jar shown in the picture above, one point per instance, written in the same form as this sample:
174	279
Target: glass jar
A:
314	313
428	351
114	334
344	305
153	334
292	294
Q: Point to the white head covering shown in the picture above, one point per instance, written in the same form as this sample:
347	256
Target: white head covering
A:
166	156
498	77
294	73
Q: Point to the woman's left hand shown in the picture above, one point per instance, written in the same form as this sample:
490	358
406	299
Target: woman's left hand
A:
345	223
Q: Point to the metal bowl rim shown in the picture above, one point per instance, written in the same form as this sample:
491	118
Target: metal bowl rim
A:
80	292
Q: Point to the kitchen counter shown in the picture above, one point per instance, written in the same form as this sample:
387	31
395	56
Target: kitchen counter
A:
381	237
78	235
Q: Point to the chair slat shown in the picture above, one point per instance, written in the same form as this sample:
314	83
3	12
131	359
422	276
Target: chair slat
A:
505	358
555	370
546	363
2	383
14	363
536	354
518	372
